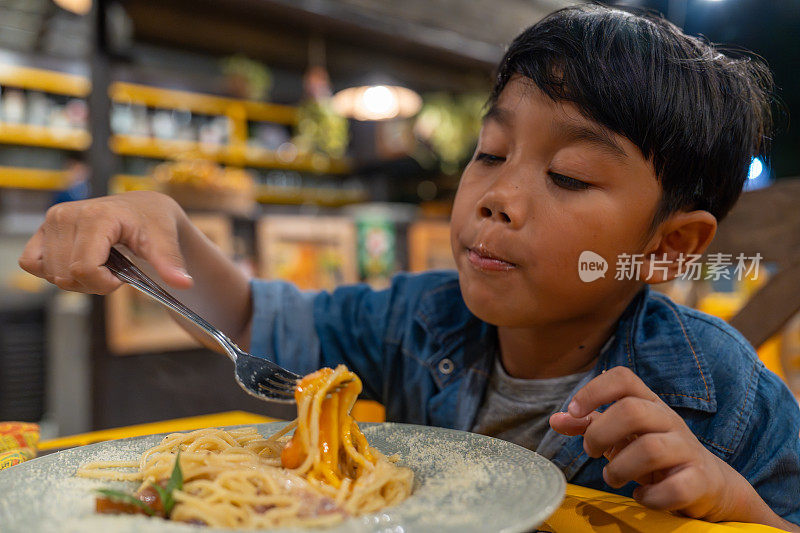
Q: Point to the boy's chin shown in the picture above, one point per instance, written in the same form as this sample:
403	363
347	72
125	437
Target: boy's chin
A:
496	310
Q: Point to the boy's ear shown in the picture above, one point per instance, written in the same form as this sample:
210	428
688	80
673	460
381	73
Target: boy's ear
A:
681	236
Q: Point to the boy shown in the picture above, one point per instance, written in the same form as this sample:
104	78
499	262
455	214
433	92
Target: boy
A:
608	132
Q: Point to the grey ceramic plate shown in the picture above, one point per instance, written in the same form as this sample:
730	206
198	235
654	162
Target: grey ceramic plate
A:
463	482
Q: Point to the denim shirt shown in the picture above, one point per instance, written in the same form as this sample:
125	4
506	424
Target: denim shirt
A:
422	354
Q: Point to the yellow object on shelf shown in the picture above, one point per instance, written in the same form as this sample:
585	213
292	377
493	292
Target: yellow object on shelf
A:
164	148
239	113
44	136
201	184
204	104
32	178
48	81
128	182
259	157
135	146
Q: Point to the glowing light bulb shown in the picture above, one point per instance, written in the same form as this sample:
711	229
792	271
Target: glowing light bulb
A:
379	102
756	168
80	7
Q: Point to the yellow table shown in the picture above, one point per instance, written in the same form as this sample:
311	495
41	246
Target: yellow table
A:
230	418
583	510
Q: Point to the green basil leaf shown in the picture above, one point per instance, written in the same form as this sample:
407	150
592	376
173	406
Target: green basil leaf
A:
176	479
126	498
175	483
166	499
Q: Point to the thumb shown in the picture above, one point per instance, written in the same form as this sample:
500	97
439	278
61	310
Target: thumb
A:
164	254
566	424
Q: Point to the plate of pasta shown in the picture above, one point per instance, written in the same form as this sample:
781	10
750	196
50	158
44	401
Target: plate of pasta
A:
323	472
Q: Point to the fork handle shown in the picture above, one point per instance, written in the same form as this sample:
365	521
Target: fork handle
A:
125	270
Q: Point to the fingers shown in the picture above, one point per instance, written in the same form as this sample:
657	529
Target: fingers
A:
31	259
624	420
59	230
609	387
641	457
72	245
566	424
93	239
680	490
162	250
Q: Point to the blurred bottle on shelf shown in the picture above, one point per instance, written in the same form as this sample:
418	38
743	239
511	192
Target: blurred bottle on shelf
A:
77	113
13	106
381	230
122	118
39	106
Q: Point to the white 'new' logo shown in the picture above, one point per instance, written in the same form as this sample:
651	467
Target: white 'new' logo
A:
591	266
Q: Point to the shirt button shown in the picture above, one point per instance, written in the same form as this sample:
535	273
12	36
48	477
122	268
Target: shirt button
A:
446	366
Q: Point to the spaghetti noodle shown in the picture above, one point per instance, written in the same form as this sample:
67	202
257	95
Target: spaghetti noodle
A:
236	478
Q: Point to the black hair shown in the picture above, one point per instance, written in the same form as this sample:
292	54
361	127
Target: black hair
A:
697	114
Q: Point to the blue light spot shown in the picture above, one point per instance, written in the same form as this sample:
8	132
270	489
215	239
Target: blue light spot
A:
756	168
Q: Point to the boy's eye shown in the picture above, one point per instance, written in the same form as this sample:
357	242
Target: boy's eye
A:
565	182
489	159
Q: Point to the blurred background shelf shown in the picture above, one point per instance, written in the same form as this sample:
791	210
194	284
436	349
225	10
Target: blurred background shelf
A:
132	145
264	194
44	136
48	81
131	93
32	178
138	146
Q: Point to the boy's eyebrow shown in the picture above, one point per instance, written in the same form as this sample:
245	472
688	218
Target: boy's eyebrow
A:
574	132
569	131
504	117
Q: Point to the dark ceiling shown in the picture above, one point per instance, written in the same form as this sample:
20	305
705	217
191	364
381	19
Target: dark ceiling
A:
771	29
458	51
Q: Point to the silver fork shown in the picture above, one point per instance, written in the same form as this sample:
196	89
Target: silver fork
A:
258	377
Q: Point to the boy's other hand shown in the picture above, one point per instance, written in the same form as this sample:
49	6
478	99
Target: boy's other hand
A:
71	246
647	442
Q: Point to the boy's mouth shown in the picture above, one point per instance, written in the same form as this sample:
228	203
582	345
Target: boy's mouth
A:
482	259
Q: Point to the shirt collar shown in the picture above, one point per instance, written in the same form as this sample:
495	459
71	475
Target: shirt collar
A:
459	336
651	338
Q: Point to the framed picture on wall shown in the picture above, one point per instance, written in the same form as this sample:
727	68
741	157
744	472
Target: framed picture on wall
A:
429	246
137	324
311	252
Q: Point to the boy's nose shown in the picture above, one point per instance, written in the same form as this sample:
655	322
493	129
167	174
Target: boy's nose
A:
485	211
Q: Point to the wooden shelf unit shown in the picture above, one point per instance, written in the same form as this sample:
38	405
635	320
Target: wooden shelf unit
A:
46	81
265	194
44	136
235	153
73	139
202	104
229	154
32	178
239	112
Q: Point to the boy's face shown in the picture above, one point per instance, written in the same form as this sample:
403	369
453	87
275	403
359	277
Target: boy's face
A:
546	184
